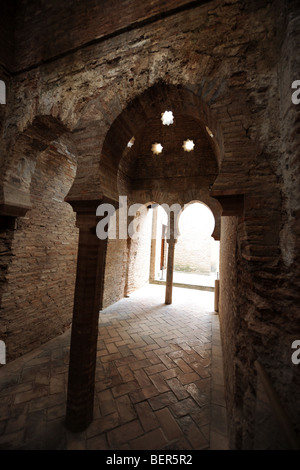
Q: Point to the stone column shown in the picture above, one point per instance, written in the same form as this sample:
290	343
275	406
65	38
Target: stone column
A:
87	303
171	240
170	269
217	289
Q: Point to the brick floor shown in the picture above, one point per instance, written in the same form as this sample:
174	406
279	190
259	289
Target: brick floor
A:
159	382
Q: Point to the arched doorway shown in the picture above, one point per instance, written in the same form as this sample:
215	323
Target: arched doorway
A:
144	159
41	247
197	252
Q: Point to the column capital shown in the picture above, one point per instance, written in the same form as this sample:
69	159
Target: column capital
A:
232	203
86	206
86	211
14	202
171	241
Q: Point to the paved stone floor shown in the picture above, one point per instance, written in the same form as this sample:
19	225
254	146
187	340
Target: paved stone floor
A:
159	381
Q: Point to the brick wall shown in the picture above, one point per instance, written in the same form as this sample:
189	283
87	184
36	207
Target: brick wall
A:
7	10
7	231
128	261
115	267
37	301
139	251
45	29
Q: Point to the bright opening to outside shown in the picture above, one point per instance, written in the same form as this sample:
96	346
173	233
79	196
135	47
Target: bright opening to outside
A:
196	252
167	118
131	142
157	148
188	145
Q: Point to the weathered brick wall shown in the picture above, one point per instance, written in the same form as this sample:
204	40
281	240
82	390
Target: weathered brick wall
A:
140	251
7	11
37	301
128	261
7	231
268	433
289	71
115	266
288	164
51	28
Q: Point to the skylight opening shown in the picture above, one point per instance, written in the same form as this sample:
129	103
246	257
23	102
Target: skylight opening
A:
131	142
209	132
188	145
157	148
167	118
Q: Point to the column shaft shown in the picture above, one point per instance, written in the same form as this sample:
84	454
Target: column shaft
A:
87	303
170	269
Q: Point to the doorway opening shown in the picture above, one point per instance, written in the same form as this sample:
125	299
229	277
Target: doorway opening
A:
196	263
197	253
159	246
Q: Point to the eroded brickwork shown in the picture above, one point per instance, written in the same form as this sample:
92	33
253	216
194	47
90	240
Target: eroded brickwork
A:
128	261
7	10
37	299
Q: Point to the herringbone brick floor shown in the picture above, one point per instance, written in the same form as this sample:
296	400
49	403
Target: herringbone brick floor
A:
159	382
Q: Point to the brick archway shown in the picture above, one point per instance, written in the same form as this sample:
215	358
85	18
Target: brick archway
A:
17	171
37	175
